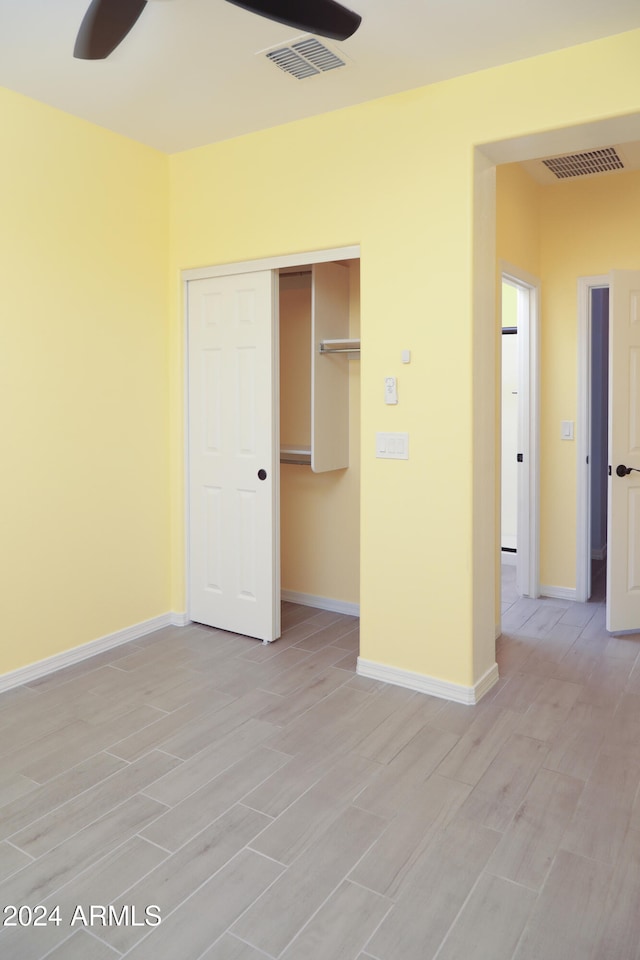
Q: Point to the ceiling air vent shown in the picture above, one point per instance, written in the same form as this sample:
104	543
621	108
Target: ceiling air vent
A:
305	58
581	164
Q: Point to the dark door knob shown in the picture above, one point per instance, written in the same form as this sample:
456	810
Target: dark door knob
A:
262	474
623	471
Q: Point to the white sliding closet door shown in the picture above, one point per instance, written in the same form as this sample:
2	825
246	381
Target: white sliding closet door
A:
234	549
623	522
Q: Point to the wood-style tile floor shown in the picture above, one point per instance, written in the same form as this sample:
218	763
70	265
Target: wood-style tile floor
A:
268	803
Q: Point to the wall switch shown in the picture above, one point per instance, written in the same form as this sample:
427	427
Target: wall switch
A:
566	429
405	356
390	390
392	446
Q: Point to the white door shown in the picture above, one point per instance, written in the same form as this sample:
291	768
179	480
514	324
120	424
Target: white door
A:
623	548
234	548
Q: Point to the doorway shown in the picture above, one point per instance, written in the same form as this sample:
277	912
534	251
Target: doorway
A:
510	438
488	157
599	424
319	437
519	541
593	393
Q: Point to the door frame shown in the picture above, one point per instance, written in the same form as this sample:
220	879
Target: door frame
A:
583	479
306	258
528	549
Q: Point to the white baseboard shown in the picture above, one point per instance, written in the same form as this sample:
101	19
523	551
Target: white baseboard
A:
431	685
323	603
559	593
34	671
179	619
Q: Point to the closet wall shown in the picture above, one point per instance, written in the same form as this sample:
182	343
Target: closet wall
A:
320	512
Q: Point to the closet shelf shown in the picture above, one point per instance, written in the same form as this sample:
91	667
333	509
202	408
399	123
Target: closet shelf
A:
299	455
340	346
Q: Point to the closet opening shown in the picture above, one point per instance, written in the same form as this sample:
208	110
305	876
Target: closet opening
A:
271	347
319	349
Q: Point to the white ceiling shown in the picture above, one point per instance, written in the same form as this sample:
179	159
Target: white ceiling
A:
188	73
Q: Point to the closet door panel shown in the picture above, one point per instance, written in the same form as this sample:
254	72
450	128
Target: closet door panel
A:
234	561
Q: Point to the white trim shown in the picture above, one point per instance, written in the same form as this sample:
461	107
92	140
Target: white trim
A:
273	263
517	275
276	612
528	556
485	683
484	398
186	477
559	593
180	619
323	603
583	479
429	685
41	668
508	559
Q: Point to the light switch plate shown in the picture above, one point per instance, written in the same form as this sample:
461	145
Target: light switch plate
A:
566	429
392	446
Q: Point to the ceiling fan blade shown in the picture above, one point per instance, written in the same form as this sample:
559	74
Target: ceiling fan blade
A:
324	17
106	23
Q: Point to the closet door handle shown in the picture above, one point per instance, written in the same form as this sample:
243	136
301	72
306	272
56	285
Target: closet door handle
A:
262	474
623	471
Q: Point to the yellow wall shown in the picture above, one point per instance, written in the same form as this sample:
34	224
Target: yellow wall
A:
84	238
509	314
224	208
84	538
518	218
560	232
320	512
370	174
295	363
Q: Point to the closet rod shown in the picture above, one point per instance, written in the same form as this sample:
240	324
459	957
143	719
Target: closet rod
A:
339	346
339	349
295	455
